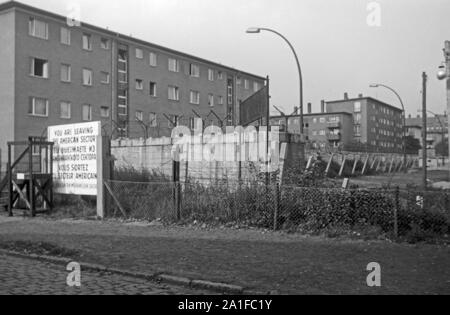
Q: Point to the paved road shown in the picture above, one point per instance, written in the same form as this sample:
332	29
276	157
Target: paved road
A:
20	276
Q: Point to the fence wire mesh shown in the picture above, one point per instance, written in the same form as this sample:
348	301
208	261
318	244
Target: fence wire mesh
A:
393	213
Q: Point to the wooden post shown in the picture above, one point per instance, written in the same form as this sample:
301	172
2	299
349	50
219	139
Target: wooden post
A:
341	171
277	206
101	157
31	178
327	171
396	210
365	165
355	165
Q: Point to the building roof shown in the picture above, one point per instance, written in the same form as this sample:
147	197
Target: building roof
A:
368	99
14	4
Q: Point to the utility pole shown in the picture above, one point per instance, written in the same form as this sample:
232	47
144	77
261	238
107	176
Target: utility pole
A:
447	62
424	131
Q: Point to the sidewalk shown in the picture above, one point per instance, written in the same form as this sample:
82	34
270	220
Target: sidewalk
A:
288	264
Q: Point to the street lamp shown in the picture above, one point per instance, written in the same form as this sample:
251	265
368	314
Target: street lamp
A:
257	30
404	118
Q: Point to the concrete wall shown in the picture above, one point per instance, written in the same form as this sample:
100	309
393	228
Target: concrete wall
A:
155	154
7	77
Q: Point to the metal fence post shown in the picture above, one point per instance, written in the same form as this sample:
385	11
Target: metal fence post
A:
396	210
277	206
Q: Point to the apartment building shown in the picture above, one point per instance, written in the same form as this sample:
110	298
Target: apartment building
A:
362	122
375	124
52	73
436	129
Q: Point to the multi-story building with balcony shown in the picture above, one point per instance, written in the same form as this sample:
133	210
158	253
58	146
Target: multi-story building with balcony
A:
436	129
52	74
362	122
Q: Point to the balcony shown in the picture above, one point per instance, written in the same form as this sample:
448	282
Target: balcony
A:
333	137
334	124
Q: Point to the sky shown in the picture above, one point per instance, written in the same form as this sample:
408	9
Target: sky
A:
343	45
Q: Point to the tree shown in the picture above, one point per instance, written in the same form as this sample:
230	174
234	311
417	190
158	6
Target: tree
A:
412	145
442	148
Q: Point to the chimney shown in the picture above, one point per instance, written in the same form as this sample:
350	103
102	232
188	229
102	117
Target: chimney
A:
418	116
296	110
361	96
346	96
410	116
322	106
309	108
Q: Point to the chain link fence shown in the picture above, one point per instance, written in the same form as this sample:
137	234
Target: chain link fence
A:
393	213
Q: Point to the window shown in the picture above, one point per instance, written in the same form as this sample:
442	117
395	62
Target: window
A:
211	100
220	75
65	110
246	84
39	68
255	86
358	118
122	102
195	97
322	120
87	42
357	108
357	131
87	77
220	100
139	84
153	120
153	59
65	36
123	54
322	133
239	81
139	53
38	28
104	77
194	71
174	65
153	89
139	115
104	112
86	112
211	75
174	93
38	107
104	43
65	73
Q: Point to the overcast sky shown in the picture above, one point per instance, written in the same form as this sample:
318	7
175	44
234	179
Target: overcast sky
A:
338	50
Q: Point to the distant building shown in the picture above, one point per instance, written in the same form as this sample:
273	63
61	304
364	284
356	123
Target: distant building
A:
436	129
362	122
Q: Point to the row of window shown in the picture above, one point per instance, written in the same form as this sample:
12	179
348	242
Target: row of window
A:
322	120
39	107
39	29
40	68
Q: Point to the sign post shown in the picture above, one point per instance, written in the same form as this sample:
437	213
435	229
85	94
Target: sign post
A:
78	161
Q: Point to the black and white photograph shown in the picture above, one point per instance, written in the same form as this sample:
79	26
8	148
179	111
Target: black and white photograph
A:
225	155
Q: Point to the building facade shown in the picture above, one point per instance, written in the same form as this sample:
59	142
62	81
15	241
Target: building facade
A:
362	123
52	74
436	129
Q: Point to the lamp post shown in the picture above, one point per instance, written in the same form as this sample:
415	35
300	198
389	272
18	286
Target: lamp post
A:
256	30
404	119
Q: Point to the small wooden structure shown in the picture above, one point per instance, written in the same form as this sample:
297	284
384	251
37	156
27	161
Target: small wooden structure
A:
29	178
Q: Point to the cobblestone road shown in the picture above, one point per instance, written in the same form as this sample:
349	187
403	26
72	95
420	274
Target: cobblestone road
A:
20	276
